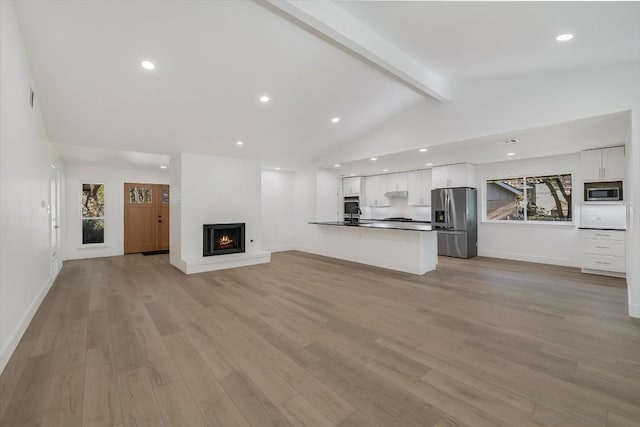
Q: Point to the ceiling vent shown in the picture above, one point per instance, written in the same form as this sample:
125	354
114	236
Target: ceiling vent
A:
508	141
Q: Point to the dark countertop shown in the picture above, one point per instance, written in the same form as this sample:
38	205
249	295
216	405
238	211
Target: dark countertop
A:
602	229
415	221
388	225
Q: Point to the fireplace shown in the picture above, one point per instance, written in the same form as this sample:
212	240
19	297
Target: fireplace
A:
222	239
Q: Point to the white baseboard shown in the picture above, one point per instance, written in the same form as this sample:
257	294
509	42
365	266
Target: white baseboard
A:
604	273
95	253
634	310
202	265
7	351
280	249
530	258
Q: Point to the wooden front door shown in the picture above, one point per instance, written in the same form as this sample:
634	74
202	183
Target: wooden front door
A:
146	217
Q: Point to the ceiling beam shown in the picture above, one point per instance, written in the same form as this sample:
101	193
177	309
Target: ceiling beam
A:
333	22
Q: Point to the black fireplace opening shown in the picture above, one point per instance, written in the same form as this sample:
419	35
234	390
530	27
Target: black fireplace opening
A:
222	239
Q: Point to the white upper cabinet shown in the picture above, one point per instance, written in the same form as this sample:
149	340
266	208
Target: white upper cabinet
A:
604	164
397	181
450	176
351	185
613	163
375	187
419	187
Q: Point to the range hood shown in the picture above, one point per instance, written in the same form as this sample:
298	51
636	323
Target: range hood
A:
390	194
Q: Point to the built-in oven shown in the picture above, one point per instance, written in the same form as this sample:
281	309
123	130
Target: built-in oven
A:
351	206
603	191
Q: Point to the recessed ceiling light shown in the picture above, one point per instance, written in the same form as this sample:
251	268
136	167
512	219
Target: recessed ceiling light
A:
511	154
163	166
239	142
352	174
336	165
264	99
422	150
564	37
148	65
335	120
429	164
385	170
374	159
277	169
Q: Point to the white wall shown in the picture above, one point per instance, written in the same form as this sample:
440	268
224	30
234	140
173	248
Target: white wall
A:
26	267
632	193
211	190
277	210
549	244
113	180
328	189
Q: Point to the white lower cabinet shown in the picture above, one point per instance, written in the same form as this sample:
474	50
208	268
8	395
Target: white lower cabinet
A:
603	252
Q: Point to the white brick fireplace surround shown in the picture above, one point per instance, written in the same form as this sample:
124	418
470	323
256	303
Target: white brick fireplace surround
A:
214	190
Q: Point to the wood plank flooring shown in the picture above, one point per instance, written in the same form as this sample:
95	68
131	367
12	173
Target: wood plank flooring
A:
312	341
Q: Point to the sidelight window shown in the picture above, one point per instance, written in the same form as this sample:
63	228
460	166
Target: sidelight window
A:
92	213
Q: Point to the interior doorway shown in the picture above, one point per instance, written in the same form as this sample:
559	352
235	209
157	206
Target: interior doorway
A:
146	217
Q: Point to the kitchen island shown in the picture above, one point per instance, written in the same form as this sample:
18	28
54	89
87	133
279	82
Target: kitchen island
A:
403	246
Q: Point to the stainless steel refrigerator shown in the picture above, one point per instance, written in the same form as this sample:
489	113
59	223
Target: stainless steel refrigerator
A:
454	214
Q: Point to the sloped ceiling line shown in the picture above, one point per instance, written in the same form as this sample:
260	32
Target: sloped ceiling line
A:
342	28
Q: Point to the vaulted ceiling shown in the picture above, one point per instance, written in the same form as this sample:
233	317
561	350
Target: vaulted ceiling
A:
214	59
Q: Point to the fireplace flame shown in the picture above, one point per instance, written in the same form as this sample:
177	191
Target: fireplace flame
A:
225	241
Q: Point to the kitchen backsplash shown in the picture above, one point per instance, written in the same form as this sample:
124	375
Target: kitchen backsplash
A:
398	207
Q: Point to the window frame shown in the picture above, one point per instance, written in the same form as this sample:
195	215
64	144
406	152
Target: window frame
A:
526	221
103	217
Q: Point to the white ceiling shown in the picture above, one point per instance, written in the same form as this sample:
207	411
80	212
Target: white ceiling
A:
213	60
562	138
475	40
104	157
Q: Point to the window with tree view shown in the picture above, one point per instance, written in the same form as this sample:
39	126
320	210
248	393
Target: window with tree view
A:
92	213
534	198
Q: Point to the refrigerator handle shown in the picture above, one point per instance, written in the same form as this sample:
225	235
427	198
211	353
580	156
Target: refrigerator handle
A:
446	209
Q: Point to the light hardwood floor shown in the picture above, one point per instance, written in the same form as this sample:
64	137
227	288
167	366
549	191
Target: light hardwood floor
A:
307	340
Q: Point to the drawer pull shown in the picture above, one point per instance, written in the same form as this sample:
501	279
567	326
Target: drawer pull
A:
603	262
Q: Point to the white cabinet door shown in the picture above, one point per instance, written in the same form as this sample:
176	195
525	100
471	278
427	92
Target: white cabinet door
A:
592	164
613	163
419	187
426	188
371	191
382	182
440	176
458	176
397	182
351	185
414	185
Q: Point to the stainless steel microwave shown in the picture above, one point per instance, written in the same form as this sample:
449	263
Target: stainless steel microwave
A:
603	192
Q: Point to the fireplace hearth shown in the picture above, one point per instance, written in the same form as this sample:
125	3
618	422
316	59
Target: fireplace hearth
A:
222	239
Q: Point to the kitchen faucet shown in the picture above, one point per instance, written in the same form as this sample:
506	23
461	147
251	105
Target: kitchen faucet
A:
354	211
